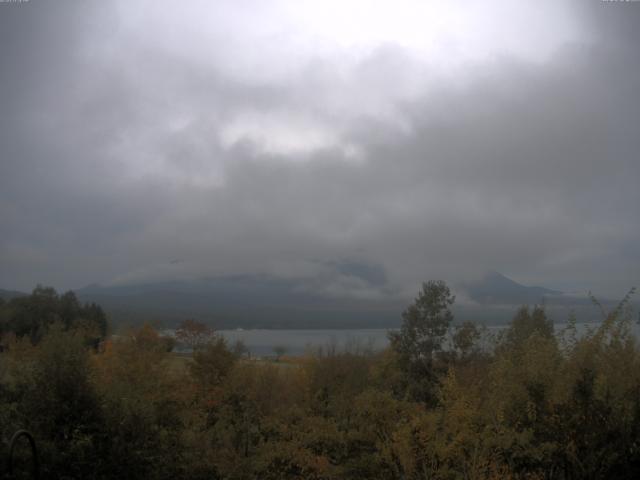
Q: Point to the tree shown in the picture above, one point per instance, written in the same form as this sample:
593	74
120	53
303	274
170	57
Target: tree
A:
143	402
240	349
423	331
32	315
212	363
59	404
525	323
425	323
194	334
466	338
279	350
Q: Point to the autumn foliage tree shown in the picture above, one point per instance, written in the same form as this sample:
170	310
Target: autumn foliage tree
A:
194	334
533	403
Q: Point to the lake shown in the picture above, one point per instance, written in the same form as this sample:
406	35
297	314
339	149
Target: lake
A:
296	342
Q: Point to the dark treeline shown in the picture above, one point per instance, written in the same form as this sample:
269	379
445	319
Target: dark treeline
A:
443	401
31	316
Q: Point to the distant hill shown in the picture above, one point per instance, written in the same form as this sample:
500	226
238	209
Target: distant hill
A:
496	289
262	301
9	294
496	298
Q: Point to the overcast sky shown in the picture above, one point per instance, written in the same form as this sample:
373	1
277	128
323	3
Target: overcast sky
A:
406	140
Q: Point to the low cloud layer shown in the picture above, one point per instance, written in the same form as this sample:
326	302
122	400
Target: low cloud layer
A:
143	141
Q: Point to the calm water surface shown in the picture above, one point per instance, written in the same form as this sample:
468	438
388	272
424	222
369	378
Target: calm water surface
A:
297	342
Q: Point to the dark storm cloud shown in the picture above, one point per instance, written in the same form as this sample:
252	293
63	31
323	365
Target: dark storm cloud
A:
122	150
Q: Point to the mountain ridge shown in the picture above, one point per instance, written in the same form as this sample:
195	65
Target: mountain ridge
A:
262	301
496	288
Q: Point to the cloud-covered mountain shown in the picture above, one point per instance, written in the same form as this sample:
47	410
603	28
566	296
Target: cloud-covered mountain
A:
251	301
495	288
436	138
242	301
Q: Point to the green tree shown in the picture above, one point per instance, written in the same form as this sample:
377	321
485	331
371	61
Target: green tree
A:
58	403
425	323
465	339
525	323
421	337
32	315
279	350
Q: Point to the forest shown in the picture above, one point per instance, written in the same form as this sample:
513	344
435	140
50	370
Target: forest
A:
443	401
